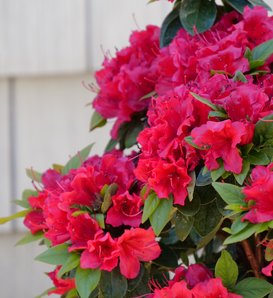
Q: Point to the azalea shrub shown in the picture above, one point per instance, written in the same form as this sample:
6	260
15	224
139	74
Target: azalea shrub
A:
180	204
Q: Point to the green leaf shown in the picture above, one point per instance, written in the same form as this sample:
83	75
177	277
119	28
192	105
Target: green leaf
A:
258	158
19	214
253	287
29	237
56	255
87	281
45	293
216	174
96	121
76	161
189	140
238	225
205	101
131	135
230	193
238	5
190	208
260	3
204	177
107	200
167	258
170	27
264	129
218	114
263	51
245	233
111	145
34	175
113	284
72	294
161	216
99	217
183	225
207	218
227	270
71	263
239	77
199	14
191	186
26	194
150	206
240	178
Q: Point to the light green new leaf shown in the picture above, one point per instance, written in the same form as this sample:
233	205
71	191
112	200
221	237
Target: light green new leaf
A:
150	206
96	121
205	101
23	213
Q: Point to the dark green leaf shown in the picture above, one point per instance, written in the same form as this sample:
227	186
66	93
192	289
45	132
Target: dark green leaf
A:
238	5
76	161
227	270
131	135
167	258
170	237
87	281
207	218
113	284
190	208
260	3
139	286
183	225
111	145
29	237
71	263
150	206
34	175
170	27
203	178
162	215
240	178
96	121
19	214
253	287
205	101
191	186
264	129
107	199
56	255
199	14
258	158
230	193
133	283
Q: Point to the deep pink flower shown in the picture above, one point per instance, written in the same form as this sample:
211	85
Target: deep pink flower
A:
102	252
177	290
62	285
136	245
260	191
35	221
220	140
197	273
267	270
125	210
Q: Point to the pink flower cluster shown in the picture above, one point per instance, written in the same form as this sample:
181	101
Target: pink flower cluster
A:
195	282
68	207
206	65
128	77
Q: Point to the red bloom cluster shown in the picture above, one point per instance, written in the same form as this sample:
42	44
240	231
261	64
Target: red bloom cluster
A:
128	77
68	208
206	65
195	282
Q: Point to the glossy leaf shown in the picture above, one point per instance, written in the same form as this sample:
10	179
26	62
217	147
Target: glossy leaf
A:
252	287
238	5
227	270
190	208
150	206
245	233
87	281
71	263
230	193
240	178
162	215
113	284
263	51
56	255
199	14
76	161
183	225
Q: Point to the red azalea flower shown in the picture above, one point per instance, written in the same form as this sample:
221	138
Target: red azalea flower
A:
82	228
177	290
220	139
260	191
136	245
102	252
35	221
125	210
267	270
62	285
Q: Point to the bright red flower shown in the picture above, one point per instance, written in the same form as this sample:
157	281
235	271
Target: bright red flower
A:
177	290
136	245
260	191
62	285
267	270
125	210
220	140
102	252
35	221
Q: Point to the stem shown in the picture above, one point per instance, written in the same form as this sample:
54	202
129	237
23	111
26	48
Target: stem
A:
251	258
258	250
